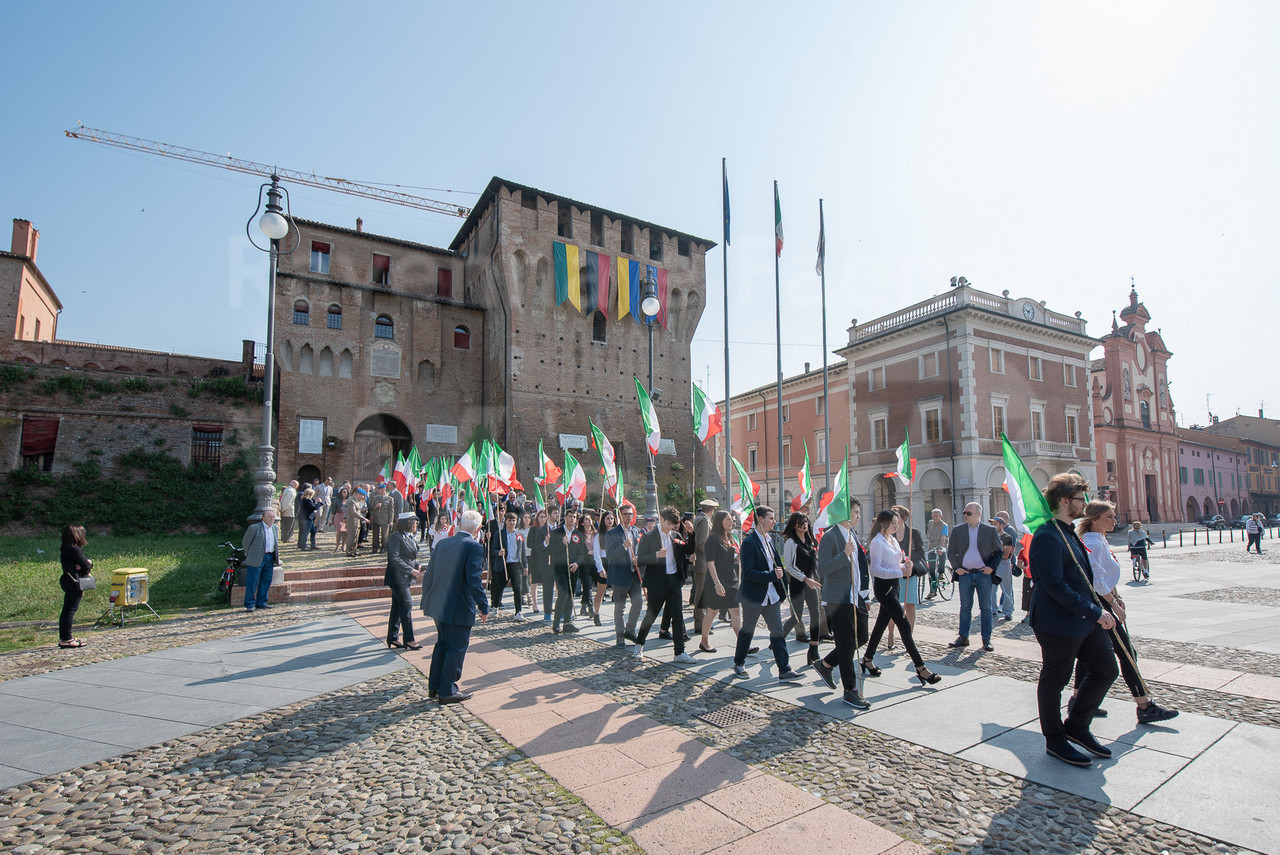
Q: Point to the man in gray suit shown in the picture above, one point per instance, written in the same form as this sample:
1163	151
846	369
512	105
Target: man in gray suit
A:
975	552
261	545
841	562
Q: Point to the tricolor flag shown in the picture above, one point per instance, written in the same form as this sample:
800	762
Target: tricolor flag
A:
504	465
398	477
836	507
906	468
706	416
445	482
538	501
413	471
608	463
568	280
822	240
548	471
388	472
598	273
652	433
1026	502
777	218
575	480
628	288
465	469
745	503
806	484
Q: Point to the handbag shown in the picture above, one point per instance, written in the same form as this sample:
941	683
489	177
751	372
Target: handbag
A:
86	583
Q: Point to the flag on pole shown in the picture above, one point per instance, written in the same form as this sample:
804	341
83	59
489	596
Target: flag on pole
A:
906	467
706	416
777	218
575	480
388	472
822	241
548	471
538	501
465	469
608	463
504	464
1027	503
724	164
413	471
806	484
836	507
652	433
745	502
398	477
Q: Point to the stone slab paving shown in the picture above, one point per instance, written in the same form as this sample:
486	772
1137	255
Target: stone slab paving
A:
669	792
67	718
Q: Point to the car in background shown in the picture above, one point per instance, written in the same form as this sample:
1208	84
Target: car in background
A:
1239	522
1273	520
1213	521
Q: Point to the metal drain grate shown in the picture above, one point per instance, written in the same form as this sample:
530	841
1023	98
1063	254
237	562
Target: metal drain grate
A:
730	716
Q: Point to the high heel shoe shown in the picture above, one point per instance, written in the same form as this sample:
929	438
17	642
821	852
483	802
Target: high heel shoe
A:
394	644
869	668
924	675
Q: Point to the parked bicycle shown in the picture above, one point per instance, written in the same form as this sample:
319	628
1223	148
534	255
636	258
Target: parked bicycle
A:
937	582
235	560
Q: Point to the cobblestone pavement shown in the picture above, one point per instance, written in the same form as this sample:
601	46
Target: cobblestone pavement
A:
1241	594
372	768
1227	553
913	791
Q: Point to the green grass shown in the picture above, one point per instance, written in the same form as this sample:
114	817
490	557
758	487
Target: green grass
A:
183	571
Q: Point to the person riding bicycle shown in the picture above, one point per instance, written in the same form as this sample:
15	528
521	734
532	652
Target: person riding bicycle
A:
936	533
1138	540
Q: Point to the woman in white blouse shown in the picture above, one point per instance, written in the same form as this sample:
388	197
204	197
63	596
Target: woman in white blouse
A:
888	566
608	519
1100	518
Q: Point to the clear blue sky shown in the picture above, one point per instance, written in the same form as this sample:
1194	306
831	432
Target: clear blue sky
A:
1052	149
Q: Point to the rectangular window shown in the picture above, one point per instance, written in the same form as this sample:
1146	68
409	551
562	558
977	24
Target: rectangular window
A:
786	453
39	439
682	246
751	421
820	405
319	257
655	245
997	420
564	220
875	379
751	459
597	228
444	282
786	413
206	445
37	334
333	318
381	269
1111	470
933	425
1033	367
880	433
1037	425
528	200
1068	375
929	365
1197	476
1071	430
820	441
628	242
1182	474
997	361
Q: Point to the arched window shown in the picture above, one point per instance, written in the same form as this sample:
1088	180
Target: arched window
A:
461	338
301	312
384	328
1144	410
598	321
333	320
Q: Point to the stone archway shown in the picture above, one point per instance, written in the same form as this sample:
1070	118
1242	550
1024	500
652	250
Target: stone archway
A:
379	438
1193	510
884	495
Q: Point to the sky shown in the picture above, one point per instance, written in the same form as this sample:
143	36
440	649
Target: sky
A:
1051	149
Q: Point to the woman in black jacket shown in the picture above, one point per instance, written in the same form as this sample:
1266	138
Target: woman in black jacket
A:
539	567
800	563
74	566
567	551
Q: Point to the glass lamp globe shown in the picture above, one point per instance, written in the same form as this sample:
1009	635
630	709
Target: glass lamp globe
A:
273	225
650	305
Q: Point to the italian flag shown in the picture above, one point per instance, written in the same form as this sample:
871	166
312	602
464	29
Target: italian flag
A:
836	505
777	218
398	476
608	464
745	503
806	484
445	482
388	472
706	416
504	464
575	480
548	471
538	500
906	468
652	433
1026	503
465	469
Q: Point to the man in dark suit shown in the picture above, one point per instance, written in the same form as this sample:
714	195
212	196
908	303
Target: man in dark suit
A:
975	552
664	559
759	594
844	569
1070	626
451	594
621	553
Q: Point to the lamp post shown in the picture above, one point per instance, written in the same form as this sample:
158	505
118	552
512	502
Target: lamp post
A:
275	224
650	306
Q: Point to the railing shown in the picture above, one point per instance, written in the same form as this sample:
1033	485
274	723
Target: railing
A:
1044	448
958	298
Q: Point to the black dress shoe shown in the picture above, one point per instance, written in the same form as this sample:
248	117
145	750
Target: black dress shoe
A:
1063	750
665	634
986	645
1098	713
432	694
1082	737
456	699
959	642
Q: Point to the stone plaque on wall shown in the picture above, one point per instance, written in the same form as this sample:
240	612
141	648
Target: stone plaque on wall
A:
441	433
385	360
574	441
666	446
310	436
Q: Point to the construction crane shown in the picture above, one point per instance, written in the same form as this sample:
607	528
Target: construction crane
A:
248	167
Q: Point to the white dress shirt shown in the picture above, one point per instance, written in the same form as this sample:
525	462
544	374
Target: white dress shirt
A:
771	593
886	558
268	538
1106	570
671	553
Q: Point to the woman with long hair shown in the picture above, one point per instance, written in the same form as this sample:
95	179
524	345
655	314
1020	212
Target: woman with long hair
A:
608	520
403	569
308	510
912	545
721	592
888	566
800	563
587	569
1099	519
522	528
539	564
75	566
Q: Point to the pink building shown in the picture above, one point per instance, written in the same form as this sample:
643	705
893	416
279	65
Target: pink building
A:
1212	473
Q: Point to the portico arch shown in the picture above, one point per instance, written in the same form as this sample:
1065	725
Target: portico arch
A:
379	438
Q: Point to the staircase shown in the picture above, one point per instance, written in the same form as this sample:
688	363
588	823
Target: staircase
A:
330	583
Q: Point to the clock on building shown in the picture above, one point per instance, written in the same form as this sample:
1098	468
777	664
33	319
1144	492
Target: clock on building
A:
1029	311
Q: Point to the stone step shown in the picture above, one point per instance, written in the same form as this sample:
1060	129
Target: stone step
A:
316	585
323	573
347	594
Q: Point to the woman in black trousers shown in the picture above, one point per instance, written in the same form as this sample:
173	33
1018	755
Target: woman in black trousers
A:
888	566
74	566
402	571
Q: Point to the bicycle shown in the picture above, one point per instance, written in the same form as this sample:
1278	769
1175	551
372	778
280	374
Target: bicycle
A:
939	581
235	560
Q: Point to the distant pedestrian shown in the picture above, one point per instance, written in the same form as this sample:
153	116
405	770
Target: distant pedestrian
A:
75	566
288	507
1004	603
403	569
308	511
352	517
261	543
1138	540
452	594
380	516
1253	528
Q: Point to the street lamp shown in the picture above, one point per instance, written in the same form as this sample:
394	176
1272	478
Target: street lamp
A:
275	224
650	306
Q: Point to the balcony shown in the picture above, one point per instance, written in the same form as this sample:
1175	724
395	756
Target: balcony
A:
1041	448
954	300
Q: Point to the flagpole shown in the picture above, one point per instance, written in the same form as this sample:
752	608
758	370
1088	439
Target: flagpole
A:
777	298
826	391
728	446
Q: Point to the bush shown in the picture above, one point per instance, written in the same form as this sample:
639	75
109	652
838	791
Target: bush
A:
234	389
